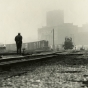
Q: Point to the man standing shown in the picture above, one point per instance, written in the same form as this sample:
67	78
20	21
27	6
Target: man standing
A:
18	40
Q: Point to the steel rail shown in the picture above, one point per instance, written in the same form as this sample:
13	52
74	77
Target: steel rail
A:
18	59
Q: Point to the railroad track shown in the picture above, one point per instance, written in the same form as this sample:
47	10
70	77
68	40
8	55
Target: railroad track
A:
12	59
7	63
7	60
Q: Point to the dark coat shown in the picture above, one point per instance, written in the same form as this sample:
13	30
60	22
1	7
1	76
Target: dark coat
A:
18	39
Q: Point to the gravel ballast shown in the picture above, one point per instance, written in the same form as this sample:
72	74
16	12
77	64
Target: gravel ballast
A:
52	73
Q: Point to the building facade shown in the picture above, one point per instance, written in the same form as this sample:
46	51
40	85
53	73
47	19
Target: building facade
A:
54	18
60	32
56	38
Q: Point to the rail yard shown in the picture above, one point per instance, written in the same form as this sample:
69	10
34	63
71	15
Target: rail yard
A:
39	66
44	70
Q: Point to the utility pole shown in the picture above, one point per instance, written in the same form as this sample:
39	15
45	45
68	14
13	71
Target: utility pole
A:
53	40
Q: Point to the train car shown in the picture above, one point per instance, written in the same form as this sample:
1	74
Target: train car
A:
39	45
2	49
30	46
10	47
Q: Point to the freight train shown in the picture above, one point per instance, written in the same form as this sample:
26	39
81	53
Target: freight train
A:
30	46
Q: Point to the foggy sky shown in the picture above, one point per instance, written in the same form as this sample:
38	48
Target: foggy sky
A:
26	16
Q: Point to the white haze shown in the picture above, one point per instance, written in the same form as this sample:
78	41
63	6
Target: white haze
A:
26	16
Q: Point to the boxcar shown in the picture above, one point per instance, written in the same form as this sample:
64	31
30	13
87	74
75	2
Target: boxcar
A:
11	47
38	45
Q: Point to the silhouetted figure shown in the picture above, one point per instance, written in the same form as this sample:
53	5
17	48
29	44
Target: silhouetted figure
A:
18	40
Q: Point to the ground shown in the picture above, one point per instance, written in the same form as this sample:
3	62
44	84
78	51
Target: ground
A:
60	72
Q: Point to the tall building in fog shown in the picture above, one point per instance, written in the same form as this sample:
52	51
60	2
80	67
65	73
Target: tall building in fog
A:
55	20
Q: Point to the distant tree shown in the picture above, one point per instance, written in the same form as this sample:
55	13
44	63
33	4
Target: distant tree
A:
82	48
68	44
